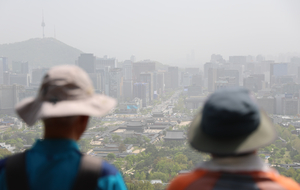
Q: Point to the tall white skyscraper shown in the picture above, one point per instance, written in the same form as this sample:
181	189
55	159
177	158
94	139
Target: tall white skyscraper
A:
127	69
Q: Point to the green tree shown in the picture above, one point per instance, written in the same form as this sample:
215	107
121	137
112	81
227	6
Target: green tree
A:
116	138
181	159
105	140
279	144
139	185
262	156
146	139
84	144
111	156
298	177
142	176
282	151
271	160
291	128
159	175
4	153
137	175
291	172
6	137
297	158
289	146
122	147
288	161
159	186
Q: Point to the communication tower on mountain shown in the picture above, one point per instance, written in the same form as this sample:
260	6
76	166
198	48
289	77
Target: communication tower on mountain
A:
43	24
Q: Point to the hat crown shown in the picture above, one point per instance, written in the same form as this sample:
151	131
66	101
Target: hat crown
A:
230	113
65	82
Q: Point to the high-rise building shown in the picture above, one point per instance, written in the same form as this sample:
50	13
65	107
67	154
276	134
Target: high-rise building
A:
9	97
142	66
106	62
38	74
96	79
268	104
277	70
174	74
4	63
186	79
233	74
141	91
212	78
290	106
217	58
116	83
289	88
222	77
106	79
87	62
194	90
254	82
132	58
260	58
3	68
299	75
197	80
127	70
160	83
207	66
20	67
193	71
127	90
6	78
240	60
147	78
238	70
28	92
20	79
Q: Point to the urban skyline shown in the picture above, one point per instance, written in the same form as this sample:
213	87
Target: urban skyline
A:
176	33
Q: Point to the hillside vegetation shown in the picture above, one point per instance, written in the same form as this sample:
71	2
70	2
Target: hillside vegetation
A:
44	52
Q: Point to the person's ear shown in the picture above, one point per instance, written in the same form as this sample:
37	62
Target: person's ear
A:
82	124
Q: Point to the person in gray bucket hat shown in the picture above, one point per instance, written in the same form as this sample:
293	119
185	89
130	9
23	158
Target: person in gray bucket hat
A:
231	128
64	103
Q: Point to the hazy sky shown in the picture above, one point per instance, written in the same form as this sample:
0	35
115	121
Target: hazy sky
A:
162	30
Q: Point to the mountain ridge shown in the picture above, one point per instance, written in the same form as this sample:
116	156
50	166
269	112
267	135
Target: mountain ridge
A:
44	52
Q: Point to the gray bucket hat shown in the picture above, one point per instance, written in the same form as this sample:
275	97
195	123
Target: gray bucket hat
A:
65	91
231	123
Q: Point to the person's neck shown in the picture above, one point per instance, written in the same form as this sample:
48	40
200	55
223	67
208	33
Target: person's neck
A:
52	134
58	138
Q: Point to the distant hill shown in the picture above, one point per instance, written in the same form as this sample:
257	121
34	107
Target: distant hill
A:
44	52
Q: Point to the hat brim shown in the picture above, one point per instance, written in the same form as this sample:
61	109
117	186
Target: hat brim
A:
34	109
263	135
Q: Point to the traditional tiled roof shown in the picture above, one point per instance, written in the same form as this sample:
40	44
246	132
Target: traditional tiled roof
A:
175	135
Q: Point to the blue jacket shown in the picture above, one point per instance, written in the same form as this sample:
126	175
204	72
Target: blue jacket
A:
53	164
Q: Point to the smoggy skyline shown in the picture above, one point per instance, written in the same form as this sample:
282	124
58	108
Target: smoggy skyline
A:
165	31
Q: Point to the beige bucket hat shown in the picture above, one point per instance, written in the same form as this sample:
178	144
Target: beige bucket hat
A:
65	91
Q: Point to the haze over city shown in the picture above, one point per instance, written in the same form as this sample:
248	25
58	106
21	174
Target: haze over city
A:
150	95
165	31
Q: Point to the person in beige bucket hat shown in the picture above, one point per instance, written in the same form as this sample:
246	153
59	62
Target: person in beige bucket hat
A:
64	103
65	91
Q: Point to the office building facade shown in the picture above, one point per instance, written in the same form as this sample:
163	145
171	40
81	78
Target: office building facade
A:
86	61
141	91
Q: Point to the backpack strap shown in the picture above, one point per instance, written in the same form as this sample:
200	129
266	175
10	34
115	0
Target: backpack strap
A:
16	177
88	173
